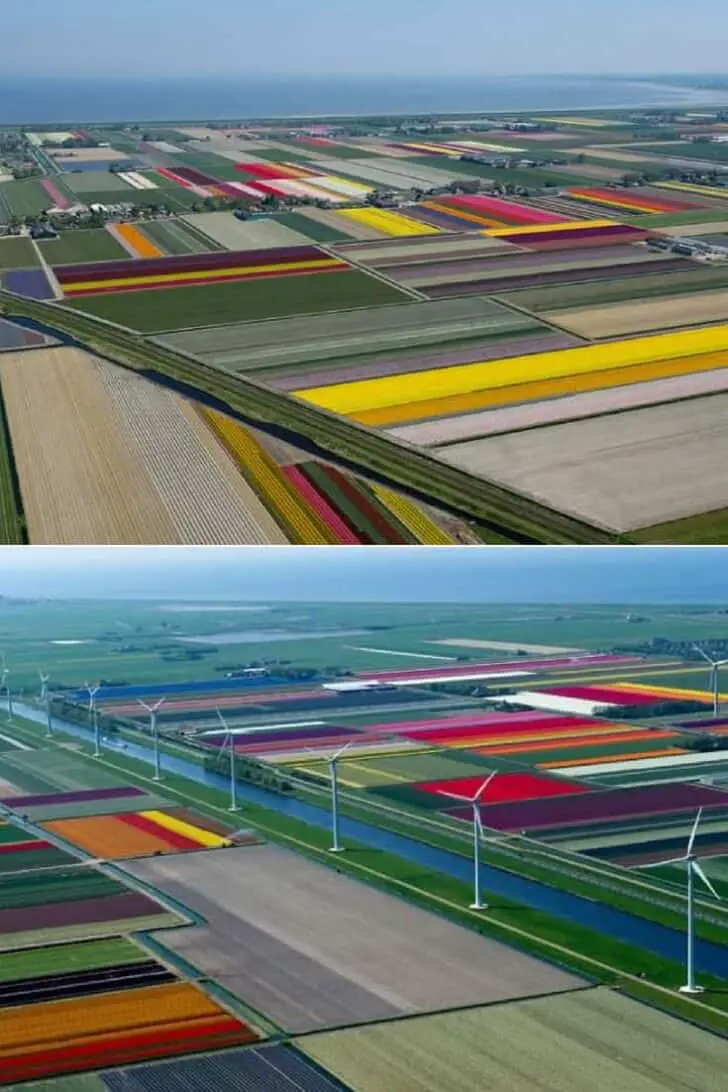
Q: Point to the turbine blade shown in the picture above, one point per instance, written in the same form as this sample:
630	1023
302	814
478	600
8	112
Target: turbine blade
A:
693	832
705	655
698	870
659	864
221	718
484	786
457	796
341	750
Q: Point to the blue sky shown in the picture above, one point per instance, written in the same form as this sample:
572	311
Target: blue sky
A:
153	38
466	574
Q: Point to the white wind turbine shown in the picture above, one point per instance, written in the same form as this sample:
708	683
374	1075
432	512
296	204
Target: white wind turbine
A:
715	666
94	716
333	760
229	743
474	801
5	685
694	868
153	710
44	699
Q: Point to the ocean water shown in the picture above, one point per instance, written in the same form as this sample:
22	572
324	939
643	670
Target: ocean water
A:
63	100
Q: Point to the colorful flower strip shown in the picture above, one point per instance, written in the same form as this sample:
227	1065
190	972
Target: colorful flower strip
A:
59	199
321	506
509	212
539	389
175	280
468	215
140	821
624	757
637	691
376	517
503	788
188	263
586	738
422	527
107	837
633	202
692	187
173	825
568	225
388	223
137	240
265	477
404	390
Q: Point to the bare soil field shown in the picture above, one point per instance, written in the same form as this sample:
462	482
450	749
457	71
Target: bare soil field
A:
81	481
223	228
391	172
312	948
622	471
592	1039
206	499
698	228
341	223
641	316
551	411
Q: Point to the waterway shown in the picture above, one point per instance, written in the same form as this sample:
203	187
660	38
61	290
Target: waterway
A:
619	925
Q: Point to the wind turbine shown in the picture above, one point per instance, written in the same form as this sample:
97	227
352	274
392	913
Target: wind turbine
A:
229	742
715	665
474	801
694	868
44	699
94	716
5	685
333	759
153	710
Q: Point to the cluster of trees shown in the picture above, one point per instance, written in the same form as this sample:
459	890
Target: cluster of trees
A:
247	769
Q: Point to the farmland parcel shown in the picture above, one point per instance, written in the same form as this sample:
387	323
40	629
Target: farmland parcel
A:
612	469
314	949
592	1039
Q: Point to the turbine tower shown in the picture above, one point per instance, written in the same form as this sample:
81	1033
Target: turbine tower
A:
333	760
44	699
94	716
715	666
474	801
229	743
5	685
694	868
153	710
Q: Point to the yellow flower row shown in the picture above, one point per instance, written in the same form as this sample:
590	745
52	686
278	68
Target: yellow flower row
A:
269	482
205	274
537	391
565	225
691	187
401	390
389	223
414	519
187	830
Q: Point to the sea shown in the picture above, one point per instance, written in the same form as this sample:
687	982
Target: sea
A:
64	100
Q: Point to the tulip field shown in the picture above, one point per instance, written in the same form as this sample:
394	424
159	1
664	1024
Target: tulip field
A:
553	245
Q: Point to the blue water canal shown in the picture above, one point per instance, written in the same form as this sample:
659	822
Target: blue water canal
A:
617	924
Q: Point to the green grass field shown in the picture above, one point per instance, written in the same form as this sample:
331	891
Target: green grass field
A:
66	958
710	528
692	150
529	177
24	198
174	197
317	232
84	182
17	252
238	301
175	237
94	245
696	278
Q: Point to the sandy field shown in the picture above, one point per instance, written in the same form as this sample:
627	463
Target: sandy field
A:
245	234
504	646
569	408
340	223
609	153
591	1041
698	228
88	155
314	949
624	471
641	316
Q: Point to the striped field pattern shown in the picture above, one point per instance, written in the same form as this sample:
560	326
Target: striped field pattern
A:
98	278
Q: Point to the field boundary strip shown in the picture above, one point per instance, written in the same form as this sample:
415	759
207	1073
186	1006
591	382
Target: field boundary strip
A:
500	510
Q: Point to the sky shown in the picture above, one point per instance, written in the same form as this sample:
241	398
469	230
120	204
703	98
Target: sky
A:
156	38
386	574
